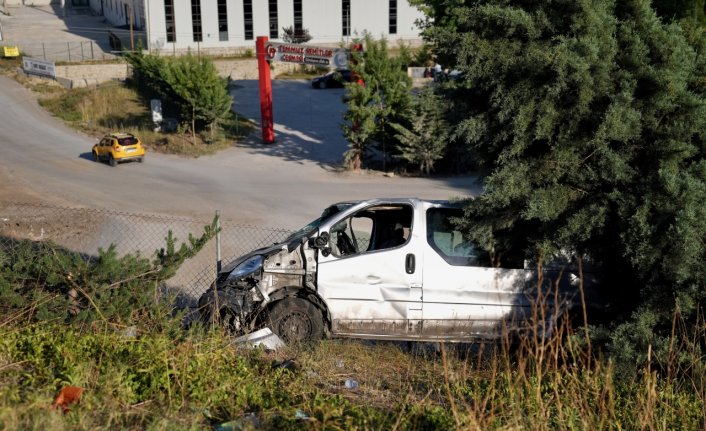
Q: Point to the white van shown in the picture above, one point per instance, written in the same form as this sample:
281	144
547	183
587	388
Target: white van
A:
390	269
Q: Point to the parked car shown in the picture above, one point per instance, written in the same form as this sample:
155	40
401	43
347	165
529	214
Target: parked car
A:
333	79
389	269
119	147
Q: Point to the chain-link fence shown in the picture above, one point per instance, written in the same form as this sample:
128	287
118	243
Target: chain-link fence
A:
75	51
88	230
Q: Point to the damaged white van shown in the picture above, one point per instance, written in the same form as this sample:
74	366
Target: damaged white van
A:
393	269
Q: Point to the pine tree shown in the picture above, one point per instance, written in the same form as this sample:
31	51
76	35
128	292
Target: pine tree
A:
590	118
378	98
360	122
424	141
203	93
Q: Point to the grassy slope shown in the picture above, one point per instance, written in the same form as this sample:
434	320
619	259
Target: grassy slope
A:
169	379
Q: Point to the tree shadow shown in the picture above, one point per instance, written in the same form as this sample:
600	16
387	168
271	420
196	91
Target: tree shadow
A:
91	24
123	121
307	122
308	126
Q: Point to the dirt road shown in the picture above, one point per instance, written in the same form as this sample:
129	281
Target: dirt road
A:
42	160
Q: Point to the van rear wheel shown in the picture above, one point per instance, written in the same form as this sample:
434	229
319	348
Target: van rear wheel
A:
296	320
112	161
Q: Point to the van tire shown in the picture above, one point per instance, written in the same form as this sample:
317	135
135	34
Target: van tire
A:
296	320
112	161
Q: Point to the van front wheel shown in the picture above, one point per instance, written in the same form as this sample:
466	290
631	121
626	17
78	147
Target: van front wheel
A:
296	320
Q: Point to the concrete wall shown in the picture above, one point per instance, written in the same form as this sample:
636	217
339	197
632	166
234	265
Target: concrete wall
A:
86	75
324	20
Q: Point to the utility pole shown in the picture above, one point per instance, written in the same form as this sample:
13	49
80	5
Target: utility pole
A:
147	25
132	36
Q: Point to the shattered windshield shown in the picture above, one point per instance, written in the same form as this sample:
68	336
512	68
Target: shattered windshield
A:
327	214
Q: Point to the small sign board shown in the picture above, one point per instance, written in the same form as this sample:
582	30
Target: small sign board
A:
38	67
304	54
11	51
156	107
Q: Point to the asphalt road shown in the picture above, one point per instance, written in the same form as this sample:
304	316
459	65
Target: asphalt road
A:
281	185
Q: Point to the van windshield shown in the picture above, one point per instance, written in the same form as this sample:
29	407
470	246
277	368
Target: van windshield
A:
325	215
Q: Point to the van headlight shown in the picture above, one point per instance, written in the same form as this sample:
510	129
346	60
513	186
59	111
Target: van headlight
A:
246	268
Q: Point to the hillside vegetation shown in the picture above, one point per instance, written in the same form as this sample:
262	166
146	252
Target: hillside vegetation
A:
101	324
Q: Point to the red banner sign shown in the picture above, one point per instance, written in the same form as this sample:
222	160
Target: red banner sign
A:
303	54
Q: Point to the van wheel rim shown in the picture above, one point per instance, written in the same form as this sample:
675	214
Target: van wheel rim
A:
296	326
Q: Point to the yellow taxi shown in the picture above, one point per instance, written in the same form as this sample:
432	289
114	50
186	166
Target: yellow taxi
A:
119	147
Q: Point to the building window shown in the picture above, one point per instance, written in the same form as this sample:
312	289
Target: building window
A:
247	19
346	17
393	16
274	27
222	20
196	20
298	20
169	18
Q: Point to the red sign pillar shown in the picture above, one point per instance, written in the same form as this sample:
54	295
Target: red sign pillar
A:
268	131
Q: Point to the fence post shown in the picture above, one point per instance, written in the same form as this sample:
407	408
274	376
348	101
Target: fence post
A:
44	52
218	243
82	56
68	45
92	57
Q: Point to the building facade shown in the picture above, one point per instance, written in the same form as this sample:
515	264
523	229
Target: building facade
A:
212	24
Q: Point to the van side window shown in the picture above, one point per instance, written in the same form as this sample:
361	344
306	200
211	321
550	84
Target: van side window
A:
449	243
372	229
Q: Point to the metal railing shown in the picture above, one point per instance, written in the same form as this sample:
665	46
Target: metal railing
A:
76	51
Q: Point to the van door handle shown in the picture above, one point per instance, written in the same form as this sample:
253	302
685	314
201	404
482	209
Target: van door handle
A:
409	263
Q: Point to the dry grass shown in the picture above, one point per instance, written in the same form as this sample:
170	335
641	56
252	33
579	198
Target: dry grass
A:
196	382
539	384
115	107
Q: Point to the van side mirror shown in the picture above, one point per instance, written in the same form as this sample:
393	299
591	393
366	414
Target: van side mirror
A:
322	240
322	243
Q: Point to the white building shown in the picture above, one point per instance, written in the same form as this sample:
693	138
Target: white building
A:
213	24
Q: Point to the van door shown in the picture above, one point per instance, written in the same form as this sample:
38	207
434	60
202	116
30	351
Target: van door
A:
370	276
464	295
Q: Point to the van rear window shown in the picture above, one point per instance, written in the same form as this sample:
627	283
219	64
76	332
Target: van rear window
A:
127	141
455	249
449	242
